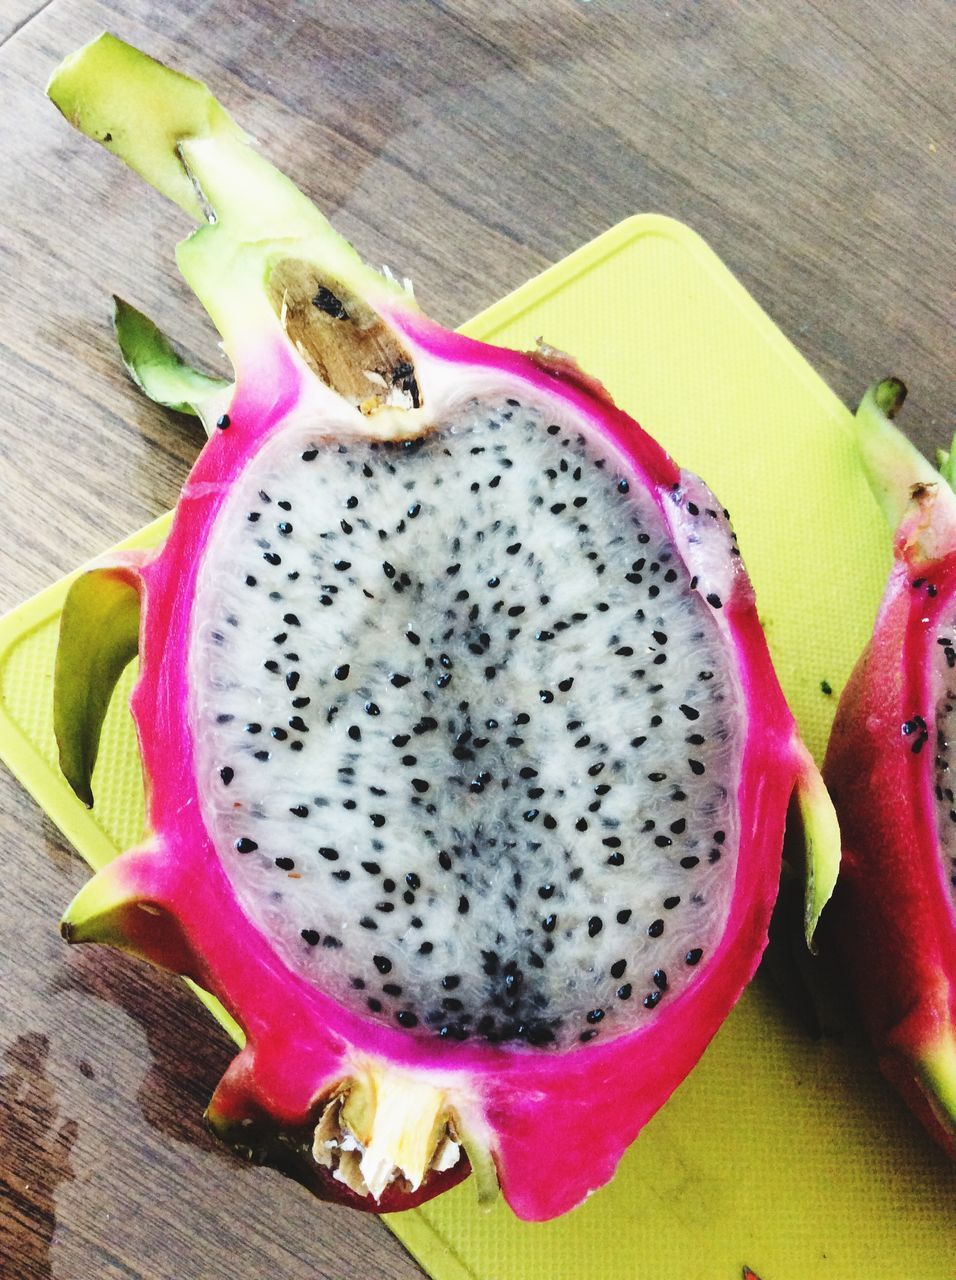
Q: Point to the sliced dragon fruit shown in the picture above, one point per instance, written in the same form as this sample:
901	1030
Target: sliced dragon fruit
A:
888	767
467	767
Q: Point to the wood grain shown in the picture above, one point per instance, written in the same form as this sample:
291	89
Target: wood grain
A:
470	144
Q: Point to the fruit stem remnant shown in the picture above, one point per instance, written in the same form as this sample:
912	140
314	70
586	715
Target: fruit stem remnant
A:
386	1123
895	468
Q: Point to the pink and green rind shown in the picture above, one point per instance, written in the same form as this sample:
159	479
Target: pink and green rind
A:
299	1040
892	918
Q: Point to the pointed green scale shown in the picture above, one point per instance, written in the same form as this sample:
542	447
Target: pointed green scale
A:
118	908
99	637
821	841
160	373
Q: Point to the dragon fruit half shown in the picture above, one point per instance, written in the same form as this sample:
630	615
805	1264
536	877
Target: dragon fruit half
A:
467	767
888	769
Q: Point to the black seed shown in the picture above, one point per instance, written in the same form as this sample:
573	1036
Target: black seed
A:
693	956
227	774
377	819
372	709
655	929
426	948
548	923
311	937
595	1015
382	964
651	999
444	860
696	766
513	549
714	600
245	845
595	925
689	862
671	903
285	864
271	557
659	978
624	993
342	875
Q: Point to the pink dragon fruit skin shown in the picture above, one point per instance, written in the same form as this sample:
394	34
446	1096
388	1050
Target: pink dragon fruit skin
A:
547	1125
893	916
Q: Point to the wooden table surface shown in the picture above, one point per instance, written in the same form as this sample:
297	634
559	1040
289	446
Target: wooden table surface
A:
468	143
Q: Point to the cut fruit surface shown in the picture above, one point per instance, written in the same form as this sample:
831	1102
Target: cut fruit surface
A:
467	766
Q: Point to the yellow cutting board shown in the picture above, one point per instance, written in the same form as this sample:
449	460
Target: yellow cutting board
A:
781	1154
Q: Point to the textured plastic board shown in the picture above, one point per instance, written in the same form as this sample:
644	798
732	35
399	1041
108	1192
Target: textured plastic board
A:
780	1153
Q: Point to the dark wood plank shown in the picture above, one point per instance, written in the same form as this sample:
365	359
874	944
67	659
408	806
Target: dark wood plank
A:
469	144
